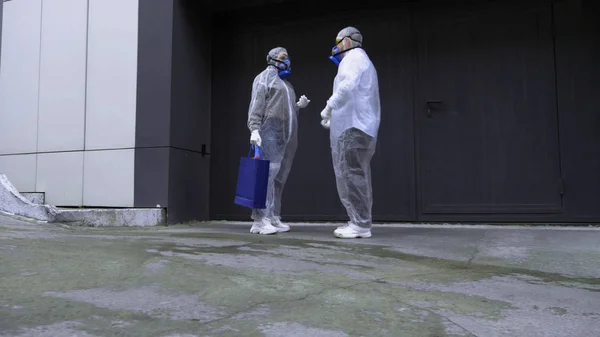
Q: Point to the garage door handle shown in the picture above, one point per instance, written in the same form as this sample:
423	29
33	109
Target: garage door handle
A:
430	107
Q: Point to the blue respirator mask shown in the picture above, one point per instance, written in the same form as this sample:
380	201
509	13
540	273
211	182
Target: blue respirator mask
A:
284	67
336	53
336	56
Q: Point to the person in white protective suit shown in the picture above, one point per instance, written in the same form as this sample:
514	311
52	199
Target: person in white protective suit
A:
273	124
353	115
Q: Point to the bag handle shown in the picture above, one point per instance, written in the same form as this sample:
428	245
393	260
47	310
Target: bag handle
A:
257	152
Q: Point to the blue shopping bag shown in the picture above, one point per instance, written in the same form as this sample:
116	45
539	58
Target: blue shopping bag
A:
253	180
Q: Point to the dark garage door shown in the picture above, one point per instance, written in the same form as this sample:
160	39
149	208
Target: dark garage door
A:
486	110
240	50
489	147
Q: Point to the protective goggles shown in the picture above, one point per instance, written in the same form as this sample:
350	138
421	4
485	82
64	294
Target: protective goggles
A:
339	40
285	64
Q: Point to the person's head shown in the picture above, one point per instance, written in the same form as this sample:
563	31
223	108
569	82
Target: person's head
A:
279	58
347	38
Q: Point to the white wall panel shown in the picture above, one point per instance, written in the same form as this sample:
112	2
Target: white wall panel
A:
112	74
20	170
109	178
19	76
62	75
60	176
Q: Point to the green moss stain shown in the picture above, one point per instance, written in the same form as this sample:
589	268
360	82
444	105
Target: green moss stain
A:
367	297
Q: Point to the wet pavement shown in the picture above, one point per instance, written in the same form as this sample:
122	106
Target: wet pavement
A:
216	279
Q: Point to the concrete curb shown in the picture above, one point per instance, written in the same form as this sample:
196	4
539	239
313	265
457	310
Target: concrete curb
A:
34	197
12	202
127	217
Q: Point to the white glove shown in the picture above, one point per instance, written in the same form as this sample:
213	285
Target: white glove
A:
326	113
303	102
326	123
255	138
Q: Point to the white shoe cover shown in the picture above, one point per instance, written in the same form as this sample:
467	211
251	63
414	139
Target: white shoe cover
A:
263	227
281	227
343	226
352	231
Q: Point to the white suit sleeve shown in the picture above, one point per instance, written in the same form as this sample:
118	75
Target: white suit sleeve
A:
258	104
349	76
294	105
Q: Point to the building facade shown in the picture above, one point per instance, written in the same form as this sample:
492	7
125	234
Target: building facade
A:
68	99
488	109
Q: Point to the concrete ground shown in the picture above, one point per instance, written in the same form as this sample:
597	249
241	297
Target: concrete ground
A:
218	280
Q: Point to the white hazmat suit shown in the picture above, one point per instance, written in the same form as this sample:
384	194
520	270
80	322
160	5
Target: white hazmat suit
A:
273	123
353	114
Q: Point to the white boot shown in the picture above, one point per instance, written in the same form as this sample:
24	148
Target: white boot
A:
263	227
352	231
281	227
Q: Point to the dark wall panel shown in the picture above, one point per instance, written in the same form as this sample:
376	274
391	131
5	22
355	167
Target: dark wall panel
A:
393	164
155	39
230	97
190	109
578	68
153	103
173	111
151	177
240	42
189	179
311	193
489	142
1	15
188	192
